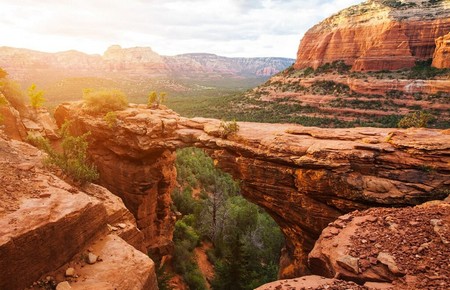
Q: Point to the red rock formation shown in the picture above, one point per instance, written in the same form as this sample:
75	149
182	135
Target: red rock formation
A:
441	57
45	222
373	36
407	248
304	177
311	282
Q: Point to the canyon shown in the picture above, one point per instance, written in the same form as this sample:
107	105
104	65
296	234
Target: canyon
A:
306	178
303	177
364	207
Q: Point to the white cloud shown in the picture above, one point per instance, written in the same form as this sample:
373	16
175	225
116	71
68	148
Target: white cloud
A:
225	27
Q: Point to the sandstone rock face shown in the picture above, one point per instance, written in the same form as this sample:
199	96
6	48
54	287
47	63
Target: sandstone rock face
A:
17	125
376	36
399	247
116	270
311	282
441	57
304	177
45	221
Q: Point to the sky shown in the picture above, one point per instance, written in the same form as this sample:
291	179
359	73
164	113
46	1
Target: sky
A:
234	28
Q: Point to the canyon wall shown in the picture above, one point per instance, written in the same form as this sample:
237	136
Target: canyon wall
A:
376	35
304	177
48	226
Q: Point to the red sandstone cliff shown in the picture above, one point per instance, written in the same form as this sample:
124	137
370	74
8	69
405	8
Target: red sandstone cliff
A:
48	226
441	57
376	36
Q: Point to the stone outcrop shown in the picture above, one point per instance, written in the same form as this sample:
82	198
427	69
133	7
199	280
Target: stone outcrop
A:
376	35
45	223
441	57
304	177
405	248
17	125
310	283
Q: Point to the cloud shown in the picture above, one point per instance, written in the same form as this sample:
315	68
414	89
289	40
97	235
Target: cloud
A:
226	27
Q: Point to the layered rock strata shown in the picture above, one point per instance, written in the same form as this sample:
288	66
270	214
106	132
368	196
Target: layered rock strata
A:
376	35
45	222
304	177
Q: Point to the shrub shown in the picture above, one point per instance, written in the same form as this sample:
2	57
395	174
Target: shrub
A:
416	119
111	119
103	101
73	159
155	99
36	97
228	128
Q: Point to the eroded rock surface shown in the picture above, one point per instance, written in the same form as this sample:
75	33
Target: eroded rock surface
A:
406	247
304	177
441	57
45	222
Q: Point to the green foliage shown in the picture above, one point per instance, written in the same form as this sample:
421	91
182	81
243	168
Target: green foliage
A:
338	66
424	71
220	215
186	239
415	119
111	119
163	278
36	97
103	101
330	88
155	99
228	128
73	159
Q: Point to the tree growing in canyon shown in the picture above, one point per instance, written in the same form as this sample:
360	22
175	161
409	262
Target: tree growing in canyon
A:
155	99
36	97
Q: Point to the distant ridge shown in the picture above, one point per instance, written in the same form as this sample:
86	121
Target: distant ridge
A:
138	61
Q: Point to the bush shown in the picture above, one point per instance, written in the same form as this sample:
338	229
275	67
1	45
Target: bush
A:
154	100
111	119
103	101
228	128
73	159
416	119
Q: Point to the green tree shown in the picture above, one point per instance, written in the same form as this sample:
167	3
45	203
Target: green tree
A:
36	97
155	99
152	98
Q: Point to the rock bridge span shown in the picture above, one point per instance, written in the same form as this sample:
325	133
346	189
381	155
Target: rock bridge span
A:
304	177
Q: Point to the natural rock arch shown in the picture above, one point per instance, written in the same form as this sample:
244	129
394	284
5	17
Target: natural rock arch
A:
303	177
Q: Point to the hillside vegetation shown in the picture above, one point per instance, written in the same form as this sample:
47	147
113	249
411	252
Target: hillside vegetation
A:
246	241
